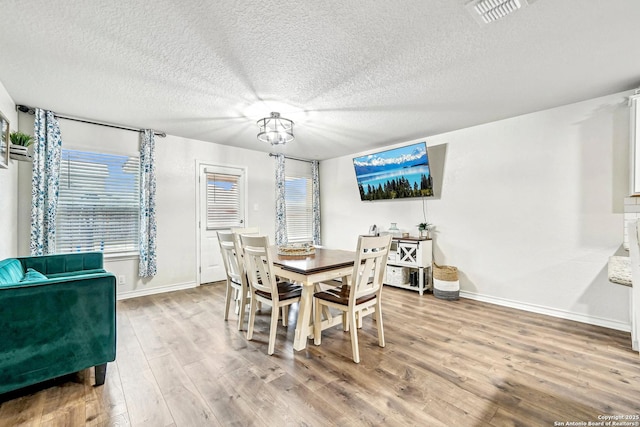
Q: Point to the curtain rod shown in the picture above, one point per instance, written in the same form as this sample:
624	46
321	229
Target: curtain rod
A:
292	158
32	111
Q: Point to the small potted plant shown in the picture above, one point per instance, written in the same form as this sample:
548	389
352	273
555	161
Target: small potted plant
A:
20	143
424	228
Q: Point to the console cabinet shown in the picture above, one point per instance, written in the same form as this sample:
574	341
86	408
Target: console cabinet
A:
409	254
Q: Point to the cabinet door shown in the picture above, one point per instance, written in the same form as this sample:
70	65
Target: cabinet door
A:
426	249
408	253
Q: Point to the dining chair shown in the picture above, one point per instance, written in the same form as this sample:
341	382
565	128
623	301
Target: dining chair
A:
237	231
237	285
265	288
361	295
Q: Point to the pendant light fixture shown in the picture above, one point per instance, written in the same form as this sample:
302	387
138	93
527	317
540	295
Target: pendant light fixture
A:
275	130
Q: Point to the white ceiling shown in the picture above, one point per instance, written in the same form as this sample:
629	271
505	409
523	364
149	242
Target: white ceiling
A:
353	75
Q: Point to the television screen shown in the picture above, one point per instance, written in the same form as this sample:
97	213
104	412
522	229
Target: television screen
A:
394	174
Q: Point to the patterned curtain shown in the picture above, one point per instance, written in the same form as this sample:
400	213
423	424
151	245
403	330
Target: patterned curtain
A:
45	182
147	266
315	176
281	211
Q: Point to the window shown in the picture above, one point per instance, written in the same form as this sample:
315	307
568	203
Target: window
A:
224	204
298	198
99	203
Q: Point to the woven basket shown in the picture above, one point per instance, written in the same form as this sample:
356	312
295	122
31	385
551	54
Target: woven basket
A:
445	272
445	282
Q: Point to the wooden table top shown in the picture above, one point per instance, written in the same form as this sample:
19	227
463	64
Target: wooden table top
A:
323	259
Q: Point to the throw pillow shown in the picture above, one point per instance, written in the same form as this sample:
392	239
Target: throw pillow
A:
32	275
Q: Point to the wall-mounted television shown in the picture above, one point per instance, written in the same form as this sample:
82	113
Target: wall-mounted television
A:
394	174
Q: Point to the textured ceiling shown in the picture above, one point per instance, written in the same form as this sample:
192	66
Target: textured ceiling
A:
353	75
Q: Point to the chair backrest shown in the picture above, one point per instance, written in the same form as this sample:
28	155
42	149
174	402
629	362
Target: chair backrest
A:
246	230
238	231
258	264
231	258
368	270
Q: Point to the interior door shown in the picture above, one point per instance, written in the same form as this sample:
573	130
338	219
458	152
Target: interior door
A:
221	206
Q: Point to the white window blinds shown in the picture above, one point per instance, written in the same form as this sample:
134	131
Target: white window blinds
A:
98	203
298	197
224	207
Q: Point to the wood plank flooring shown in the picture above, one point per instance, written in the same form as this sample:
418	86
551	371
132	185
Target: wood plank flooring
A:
446	363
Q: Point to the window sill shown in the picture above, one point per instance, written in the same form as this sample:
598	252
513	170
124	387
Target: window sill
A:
123	256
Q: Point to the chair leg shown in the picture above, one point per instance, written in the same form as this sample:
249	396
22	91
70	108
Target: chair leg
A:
354	337
227	302
285	315
378	318
243	309
252	316
236	299
359	319
317	319
345	322
273	329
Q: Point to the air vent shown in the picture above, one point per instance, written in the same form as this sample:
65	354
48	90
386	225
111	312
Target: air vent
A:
487	11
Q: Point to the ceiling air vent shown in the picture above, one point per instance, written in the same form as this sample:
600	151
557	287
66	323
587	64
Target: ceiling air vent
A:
486	11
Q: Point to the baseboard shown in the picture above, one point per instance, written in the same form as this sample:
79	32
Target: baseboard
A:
562	314
155	290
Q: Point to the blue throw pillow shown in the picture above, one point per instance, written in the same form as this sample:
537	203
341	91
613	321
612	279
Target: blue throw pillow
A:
32	275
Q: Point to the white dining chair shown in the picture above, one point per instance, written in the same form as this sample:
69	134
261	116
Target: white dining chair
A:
265	288
251	231
361	295
237	285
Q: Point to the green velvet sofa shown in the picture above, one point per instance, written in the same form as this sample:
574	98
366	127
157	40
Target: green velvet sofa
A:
57	317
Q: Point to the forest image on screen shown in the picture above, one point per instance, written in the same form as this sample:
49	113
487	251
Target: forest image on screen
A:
393	174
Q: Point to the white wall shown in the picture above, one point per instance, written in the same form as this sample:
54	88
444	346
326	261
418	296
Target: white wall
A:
176	198
530	209
8	187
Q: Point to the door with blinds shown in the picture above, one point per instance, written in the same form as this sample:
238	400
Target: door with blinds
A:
222	206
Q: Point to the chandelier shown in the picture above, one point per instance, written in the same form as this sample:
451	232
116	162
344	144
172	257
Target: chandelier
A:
275	130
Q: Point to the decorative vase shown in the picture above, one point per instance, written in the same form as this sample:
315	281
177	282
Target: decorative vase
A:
424	232
395	232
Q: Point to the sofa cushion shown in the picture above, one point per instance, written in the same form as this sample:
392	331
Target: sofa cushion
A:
32	275
11	271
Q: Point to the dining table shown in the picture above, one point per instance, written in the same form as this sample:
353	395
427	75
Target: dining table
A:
321	266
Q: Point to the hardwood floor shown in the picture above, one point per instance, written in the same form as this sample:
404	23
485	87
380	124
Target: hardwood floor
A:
446	363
